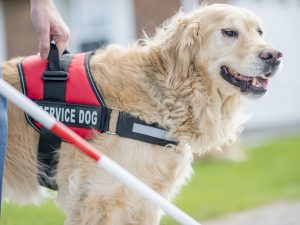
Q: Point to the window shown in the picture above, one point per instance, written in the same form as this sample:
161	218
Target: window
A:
96	23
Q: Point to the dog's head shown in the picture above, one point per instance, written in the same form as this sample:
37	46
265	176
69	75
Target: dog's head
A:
223	42
212	56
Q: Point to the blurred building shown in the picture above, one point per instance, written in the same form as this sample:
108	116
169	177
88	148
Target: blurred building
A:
93	23
96	23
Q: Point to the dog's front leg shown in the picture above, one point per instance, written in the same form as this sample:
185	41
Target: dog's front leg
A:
121	207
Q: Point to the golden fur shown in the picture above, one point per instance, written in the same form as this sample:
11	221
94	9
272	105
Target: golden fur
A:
172	79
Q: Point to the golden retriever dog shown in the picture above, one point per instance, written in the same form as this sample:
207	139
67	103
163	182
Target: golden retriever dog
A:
191	78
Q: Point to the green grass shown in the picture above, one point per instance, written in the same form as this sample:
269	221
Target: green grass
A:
46	214
271	172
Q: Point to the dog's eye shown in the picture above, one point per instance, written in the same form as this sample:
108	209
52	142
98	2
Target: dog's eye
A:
260	32
229	33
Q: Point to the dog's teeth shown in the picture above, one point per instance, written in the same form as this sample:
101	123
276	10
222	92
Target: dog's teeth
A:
254	81
231	71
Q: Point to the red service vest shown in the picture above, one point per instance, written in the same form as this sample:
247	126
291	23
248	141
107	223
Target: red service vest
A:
83	106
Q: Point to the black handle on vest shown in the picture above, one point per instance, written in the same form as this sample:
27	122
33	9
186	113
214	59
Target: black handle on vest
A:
54	70
53	58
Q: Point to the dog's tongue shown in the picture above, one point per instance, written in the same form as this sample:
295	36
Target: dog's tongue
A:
262	81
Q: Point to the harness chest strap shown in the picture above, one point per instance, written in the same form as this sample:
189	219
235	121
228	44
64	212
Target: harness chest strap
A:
54	90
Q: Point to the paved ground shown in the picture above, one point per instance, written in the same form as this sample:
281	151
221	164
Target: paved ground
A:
280	213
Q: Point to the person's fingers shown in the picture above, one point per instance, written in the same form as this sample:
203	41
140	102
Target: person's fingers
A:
60	46
61	41
44	43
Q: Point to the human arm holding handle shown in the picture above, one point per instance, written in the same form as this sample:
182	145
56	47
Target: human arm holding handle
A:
49	26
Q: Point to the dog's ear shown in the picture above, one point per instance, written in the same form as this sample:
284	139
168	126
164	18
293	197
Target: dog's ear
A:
181	41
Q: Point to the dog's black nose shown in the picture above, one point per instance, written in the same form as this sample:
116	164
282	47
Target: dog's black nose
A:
271	56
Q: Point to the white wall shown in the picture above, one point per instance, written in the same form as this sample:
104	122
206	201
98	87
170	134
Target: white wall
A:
95	20
281	106
188	5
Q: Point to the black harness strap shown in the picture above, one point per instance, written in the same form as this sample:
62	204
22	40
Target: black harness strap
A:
48	144
54	90
132	127
54	77
125	125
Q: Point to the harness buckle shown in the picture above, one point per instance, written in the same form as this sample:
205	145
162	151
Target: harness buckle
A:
55	75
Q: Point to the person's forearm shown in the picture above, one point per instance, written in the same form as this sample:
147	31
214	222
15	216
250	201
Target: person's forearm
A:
38	5
34	3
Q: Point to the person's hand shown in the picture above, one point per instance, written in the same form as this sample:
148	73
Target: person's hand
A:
49	26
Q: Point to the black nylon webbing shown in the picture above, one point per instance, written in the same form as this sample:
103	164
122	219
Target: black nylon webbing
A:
54	89
125	128
54	86
48	144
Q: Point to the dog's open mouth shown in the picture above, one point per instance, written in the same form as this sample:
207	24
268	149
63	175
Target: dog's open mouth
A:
255	85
